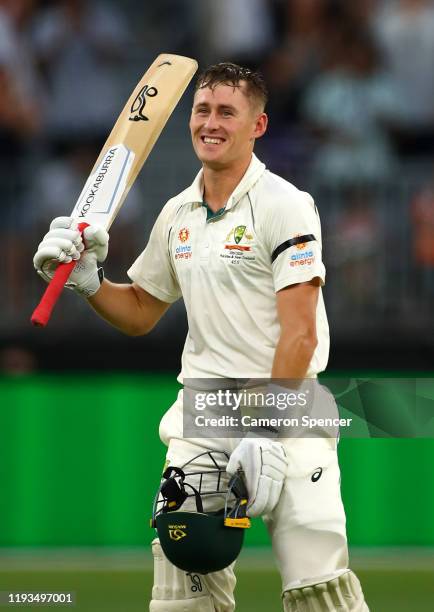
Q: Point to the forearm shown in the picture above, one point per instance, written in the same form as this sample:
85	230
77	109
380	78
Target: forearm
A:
120	306
293	355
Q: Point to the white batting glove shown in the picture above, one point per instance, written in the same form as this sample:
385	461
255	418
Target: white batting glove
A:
63	244
264	464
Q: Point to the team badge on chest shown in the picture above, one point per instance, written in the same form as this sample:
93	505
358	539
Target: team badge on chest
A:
238	245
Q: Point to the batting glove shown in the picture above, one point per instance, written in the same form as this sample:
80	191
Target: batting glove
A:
63	244
265	465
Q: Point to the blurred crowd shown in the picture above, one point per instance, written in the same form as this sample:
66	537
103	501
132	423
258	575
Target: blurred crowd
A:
351	119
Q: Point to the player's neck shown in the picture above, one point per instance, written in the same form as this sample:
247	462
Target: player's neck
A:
219	183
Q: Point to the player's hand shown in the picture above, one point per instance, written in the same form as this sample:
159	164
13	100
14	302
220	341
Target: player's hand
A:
63	244
264	464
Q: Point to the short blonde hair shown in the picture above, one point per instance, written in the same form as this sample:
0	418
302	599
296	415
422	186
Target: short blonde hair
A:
226	73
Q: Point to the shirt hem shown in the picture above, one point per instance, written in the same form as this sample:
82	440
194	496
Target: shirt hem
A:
301	278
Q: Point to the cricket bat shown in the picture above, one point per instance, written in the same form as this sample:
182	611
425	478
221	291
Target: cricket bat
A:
122	156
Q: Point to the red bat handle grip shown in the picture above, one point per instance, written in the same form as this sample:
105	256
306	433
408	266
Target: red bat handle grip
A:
42	313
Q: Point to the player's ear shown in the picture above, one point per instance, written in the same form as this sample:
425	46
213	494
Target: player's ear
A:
260	125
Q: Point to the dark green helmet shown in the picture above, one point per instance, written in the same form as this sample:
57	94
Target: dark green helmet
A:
198	541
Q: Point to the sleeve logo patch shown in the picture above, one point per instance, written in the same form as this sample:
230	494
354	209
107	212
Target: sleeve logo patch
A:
302	259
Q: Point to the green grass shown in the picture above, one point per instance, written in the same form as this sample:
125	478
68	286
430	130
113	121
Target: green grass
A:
258	589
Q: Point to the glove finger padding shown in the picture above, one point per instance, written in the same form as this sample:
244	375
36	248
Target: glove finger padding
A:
63	222
96	239
47	258
66	246
73	235
265	466
267	496
270	483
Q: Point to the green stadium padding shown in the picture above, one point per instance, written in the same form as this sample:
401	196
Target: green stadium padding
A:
80	460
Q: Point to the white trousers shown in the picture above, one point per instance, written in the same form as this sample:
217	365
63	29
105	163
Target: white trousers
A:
307	527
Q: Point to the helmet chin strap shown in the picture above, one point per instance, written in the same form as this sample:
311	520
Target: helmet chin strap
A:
174	493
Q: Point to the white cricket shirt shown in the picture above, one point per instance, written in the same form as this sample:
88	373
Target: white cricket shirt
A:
228	269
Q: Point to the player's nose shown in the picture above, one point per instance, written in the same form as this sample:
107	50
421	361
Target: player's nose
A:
212	122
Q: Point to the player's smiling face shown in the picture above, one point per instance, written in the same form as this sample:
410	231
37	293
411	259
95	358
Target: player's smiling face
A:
224	125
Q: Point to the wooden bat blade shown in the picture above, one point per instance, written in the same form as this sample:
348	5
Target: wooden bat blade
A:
132	138
124	153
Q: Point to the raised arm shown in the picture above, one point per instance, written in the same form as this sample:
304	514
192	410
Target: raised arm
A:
127	307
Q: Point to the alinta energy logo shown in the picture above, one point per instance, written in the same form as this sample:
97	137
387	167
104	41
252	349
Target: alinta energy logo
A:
183	251
302	259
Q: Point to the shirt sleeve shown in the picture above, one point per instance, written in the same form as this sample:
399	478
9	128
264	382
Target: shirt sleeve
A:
294	240
153	270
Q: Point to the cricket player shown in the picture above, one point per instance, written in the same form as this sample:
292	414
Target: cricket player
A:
242	247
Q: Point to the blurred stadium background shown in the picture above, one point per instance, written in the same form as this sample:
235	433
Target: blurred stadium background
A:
352	121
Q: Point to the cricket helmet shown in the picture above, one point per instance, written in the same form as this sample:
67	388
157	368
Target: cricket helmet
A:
195	540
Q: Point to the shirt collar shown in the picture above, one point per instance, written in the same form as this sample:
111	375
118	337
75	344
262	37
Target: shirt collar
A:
194	193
